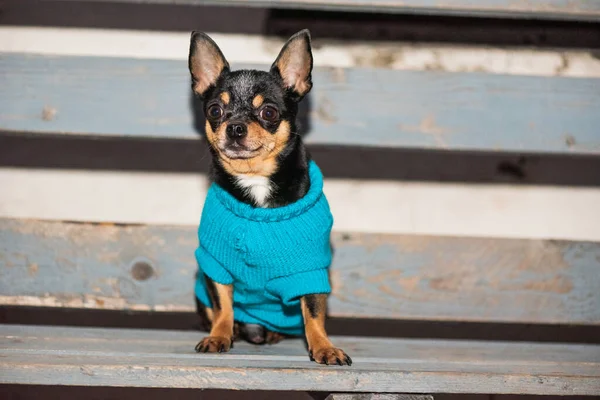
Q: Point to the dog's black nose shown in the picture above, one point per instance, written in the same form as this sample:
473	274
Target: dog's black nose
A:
236	131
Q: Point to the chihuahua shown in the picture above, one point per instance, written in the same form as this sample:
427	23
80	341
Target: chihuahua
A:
264	233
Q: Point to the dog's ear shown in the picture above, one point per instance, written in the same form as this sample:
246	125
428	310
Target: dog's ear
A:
206	62
294	64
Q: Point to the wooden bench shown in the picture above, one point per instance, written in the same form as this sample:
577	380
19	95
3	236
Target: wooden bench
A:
59	264
78	249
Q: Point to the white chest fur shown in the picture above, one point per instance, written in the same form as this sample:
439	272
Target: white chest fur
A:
257	187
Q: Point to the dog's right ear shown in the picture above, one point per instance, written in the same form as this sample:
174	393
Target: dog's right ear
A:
206	62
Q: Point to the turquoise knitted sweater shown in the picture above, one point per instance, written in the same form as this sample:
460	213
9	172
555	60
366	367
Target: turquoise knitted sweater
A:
272	256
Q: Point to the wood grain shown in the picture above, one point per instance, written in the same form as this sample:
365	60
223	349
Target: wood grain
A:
360	107
537	9
145	358
373	276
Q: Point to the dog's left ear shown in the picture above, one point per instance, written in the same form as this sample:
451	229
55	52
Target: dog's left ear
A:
294	64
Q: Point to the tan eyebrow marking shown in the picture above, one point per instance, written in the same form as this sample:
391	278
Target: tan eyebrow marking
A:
225	98
257	101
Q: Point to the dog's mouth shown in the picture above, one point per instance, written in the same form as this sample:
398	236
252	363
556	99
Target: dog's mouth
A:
236	151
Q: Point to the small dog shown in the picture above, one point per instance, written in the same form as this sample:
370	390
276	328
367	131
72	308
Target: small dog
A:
264	234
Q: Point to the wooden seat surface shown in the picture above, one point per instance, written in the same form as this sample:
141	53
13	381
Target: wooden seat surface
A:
152	358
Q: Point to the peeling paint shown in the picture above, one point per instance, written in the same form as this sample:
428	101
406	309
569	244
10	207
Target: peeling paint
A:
88	301
428	126
33	269
557	284
325	111
49	113
338	75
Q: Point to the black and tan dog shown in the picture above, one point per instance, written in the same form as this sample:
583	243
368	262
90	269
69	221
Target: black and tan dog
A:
258	160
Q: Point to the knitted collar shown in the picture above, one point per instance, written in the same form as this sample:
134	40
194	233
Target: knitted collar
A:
247	211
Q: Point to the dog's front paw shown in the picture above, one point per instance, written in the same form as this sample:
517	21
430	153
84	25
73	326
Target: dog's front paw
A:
330	356
214	344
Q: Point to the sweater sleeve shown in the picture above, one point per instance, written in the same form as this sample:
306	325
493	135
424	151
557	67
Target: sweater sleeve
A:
290	288
211	267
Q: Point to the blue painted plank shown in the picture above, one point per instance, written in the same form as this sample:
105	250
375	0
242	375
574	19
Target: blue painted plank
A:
363	107
373	276
534	9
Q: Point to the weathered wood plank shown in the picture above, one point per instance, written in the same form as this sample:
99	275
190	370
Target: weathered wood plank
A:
375	396
363	107
538	9
373	276
112	357
262	49
152	342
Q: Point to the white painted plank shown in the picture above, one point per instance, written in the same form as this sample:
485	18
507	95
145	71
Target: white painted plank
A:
509	211
255	49
586	10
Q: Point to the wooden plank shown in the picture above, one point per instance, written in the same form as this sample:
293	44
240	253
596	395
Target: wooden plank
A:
144	358
59	157
508	211
537	9
373	276
361	107
159	342
263	49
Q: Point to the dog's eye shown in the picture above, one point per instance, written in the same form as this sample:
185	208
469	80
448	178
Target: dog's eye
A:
269	114
215	111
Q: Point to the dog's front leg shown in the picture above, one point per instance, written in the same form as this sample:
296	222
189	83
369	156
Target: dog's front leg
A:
221	332
320	348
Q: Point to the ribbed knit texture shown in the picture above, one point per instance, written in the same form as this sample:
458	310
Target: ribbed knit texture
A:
273	256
